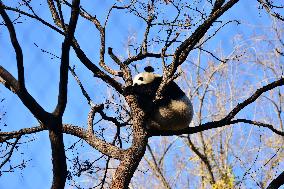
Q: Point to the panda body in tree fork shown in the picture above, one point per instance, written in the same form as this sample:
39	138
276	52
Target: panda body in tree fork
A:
173	112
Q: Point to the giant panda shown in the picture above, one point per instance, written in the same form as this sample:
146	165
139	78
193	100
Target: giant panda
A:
174	112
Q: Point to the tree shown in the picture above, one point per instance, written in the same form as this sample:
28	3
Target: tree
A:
168	36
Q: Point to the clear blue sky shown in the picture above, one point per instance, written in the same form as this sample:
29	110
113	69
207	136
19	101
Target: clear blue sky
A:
42	76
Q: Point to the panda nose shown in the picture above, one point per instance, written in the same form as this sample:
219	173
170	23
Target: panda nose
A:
135	84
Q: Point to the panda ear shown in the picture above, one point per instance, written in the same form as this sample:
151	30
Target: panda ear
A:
149	69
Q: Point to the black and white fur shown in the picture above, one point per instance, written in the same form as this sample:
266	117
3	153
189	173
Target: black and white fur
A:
173	112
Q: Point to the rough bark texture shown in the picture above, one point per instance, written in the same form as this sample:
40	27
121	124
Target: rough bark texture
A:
135	153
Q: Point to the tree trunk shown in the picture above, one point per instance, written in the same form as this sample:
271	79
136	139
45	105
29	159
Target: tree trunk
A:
128	165
58	157
135	153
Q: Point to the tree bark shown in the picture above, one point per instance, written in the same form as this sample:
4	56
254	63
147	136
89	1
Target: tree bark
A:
135	153
128	165
58	157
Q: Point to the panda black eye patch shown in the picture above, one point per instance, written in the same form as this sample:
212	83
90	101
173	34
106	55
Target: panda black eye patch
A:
140	78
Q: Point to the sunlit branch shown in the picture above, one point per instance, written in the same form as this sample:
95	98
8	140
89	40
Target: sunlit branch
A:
268	6
54	14
62	23
183	50
203	158
102	146
156	168
144	45
90	121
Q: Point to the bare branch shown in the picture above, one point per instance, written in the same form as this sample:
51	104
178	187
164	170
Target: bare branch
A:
36	17
81	55
141	57
187	45
12	84
253	97
101	29
54	14
4	136
102	146
62	97
10	152
94	109
203	158
268	6
156	167
97	72
183	50
260	124
16	45
55	127
126	73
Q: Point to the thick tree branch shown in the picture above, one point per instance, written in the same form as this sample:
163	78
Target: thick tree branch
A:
55	126
188	45
134	154
96	71
16	45
59	165
253	97
102	146
12	84
183	50
4	136
277	182
62	97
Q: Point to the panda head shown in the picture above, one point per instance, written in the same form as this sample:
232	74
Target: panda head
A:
146	77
